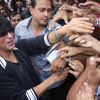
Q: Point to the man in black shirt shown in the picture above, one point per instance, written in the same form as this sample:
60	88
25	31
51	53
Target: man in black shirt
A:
18	80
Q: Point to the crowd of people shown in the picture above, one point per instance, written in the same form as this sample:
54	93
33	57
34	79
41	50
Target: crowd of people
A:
49	50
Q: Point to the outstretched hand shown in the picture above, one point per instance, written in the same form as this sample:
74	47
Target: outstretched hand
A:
76	68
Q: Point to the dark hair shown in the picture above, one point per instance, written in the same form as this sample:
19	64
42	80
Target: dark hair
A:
4	5
4	24
13	13
14	6
33	3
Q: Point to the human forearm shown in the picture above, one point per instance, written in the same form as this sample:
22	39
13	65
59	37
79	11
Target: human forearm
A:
50	81
76	86
76	25
41	88
86	51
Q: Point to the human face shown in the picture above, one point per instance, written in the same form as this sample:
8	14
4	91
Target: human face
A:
19	3
42	12
3	11
15	20
7	41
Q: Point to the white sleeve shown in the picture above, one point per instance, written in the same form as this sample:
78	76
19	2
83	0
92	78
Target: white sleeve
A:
46	40
31	95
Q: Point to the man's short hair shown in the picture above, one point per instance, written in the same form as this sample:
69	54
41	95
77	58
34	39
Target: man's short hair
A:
4	24
13	14
33	3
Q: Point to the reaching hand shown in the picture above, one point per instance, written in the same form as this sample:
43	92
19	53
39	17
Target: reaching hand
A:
61	76
69	51
58	65
93	6
61	14
88	4
76	68
77	25
84	40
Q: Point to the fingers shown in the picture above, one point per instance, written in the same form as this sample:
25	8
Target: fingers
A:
57	69
88	25
85	40
81	43
64	52
83	30
64	48
81	19
73	37
77	67
89	3
58	65
68	51
63	74
65	19
72	65
79	40
74	73
91	63
66	7
81	25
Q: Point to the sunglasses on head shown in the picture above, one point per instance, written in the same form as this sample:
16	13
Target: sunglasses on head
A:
4	33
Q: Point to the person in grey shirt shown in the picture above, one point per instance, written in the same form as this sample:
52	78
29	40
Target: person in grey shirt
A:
34	26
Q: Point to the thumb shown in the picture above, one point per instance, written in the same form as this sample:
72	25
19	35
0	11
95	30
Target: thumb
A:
91	62
51	25
65	19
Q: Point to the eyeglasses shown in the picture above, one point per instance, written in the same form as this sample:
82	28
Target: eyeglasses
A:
5	32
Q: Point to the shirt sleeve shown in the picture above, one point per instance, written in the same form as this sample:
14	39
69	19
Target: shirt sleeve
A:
46	40
31	95
10	89
33	46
